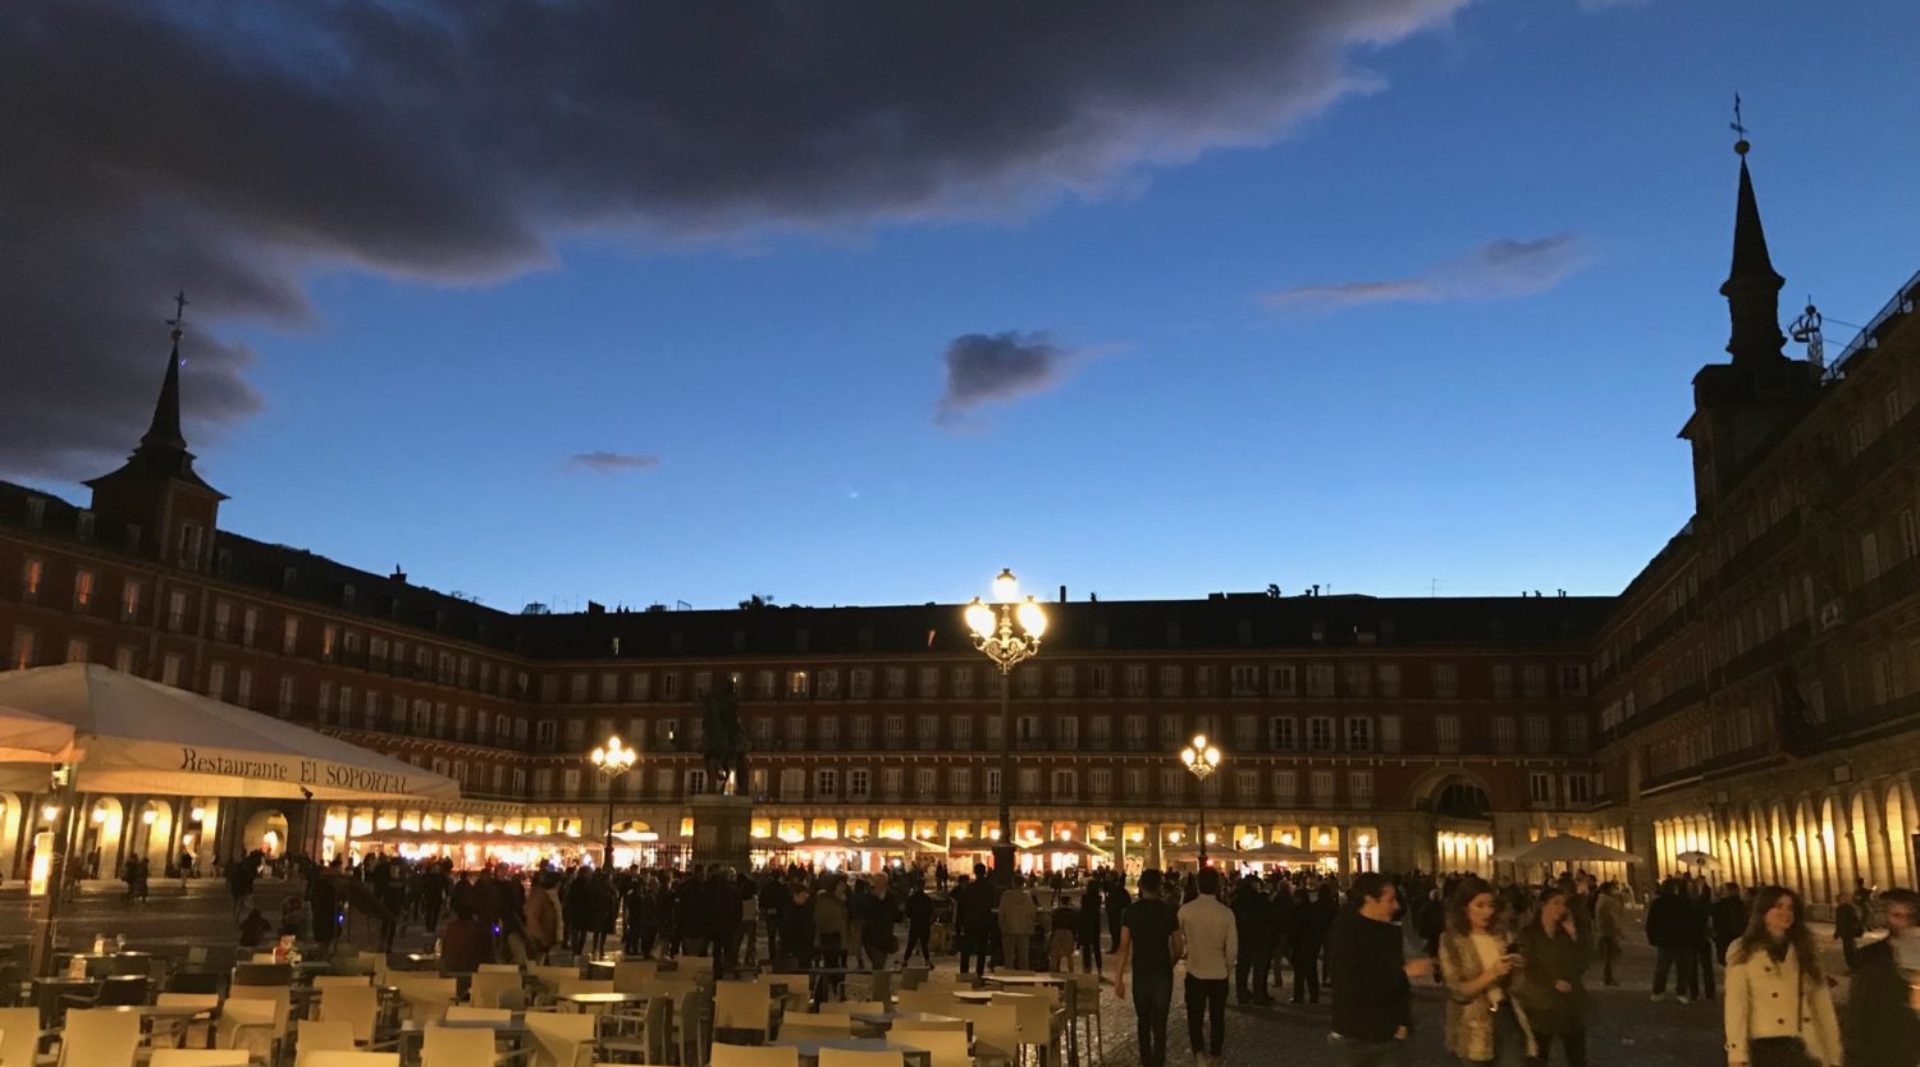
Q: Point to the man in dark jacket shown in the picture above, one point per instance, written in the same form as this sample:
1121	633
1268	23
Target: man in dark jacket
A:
1117	900
1729	919
1372	997
1250	919
919	923
975	915
1675	935
1882	1029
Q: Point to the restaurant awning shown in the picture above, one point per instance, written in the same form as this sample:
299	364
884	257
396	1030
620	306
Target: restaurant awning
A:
136	736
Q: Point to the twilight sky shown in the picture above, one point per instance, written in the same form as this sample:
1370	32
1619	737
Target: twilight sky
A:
856	301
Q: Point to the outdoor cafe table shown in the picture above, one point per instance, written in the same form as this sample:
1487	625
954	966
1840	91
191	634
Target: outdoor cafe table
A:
883	1020
1028	979
176	1017
974	996
809	1048
606	1000
413	1031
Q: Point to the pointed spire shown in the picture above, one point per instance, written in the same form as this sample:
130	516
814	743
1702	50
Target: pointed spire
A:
164	431
1752	287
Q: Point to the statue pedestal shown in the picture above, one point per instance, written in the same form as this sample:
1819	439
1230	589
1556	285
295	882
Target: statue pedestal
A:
722	831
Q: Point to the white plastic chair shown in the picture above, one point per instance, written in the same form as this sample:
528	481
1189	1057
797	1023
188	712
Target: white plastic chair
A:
946	1044
198	1057
462	1013
353	1059
487	987
561	1039
457	1046
725	1055
839	1057
99	1037
358	1006
19	1036
313	1036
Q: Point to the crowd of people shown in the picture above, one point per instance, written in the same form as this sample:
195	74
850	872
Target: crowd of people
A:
1513	961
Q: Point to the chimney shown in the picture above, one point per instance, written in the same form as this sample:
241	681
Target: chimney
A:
1063	594
399	575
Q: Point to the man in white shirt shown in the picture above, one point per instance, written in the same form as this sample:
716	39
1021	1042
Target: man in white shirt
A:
1212	939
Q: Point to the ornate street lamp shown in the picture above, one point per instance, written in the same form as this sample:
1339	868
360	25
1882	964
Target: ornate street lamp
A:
1202	760
1008	631
612	760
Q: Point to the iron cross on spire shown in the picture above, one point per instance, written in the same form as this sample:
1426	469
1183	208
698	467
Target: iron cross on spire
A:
1738	126
179	313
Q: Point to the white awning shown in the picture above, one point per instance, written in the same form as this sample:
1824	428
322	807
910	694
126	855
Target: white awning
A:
133	735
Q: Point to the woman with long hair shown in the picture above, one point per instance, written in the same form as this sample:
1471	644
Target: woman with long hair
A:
1484	1023
1779	1012
1550	988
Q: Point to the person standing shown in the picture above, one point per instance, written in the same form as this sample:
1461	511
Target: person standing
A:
1018	914
973	910
1250	966
1882	1024
1303	948
1118	900
1483	1025
1145	954
1091	926
1554	960
1778	1008
1700	901
1279	927
1212	939
1848	925
1606	930
919	923
1675	938
1372	997
1729	920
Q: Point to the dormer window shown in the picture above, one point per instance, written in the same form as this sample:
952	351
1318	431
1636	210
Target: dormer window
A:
289	577
36	511
347	594
83	526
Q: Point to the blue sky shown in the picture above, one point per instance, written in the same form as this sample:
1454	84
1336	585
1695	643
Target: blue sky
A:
1199	437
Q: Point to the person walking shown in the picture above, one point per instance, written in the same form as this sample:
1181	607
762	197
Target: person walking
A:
1145	955
1779	1011
1674	937
1212	939
1882	1025
1062	926
1554	960
1118	899
1483	1024
1018	913
1372	994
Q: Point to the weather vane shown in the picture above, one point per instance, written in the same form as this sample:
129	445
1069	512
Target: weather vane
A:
1738	126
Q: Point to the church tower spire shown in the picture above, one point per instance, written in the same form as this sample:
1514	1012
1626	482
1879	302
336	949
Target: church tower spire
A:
160	506
1752	287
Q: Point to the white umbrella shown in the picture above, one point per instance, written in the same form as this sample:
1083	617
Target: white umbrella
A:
1562	848
130	735
1696	858
1069	847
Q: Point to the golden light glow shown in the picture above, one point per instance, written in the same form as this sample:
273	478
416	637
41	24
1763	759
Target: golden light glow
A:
1066	835
1325	839
50	812
1363	840
1006	588
198	814
1033	618
980	619
99	815
148	816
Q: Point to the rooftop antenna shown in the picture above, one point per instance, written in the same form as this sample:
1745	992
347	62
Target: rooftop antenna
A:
1433	587
1806	330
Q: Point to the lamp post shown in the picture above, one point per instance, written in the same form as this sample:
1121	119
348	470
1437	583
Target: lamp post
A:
1008	631
1202	760
612	760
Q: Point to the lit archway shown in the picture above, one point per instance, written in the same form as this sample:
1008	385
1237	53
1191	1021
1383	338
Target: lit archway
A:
1900	871
153	835
100	840
265	830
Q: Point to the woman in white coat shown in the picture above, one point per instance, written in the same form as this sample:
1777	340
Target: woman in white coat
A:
1779	1011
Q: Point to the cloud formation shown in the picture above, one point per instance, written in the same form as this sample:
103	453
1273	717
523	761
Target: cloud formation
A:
1497	270
985	368
603	462
238	151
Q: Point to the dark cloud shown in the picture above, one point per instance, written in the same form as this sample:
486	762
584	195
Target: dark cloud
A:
985	367
238	149
602	462
1497	270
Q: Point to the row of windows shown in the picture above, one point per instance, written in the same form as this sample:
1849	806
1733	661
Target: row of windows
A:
1321	680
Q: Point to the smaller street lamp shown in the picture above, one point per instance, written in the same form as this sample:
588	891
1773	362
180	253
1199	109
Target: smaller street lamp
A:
612	760
1202	760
